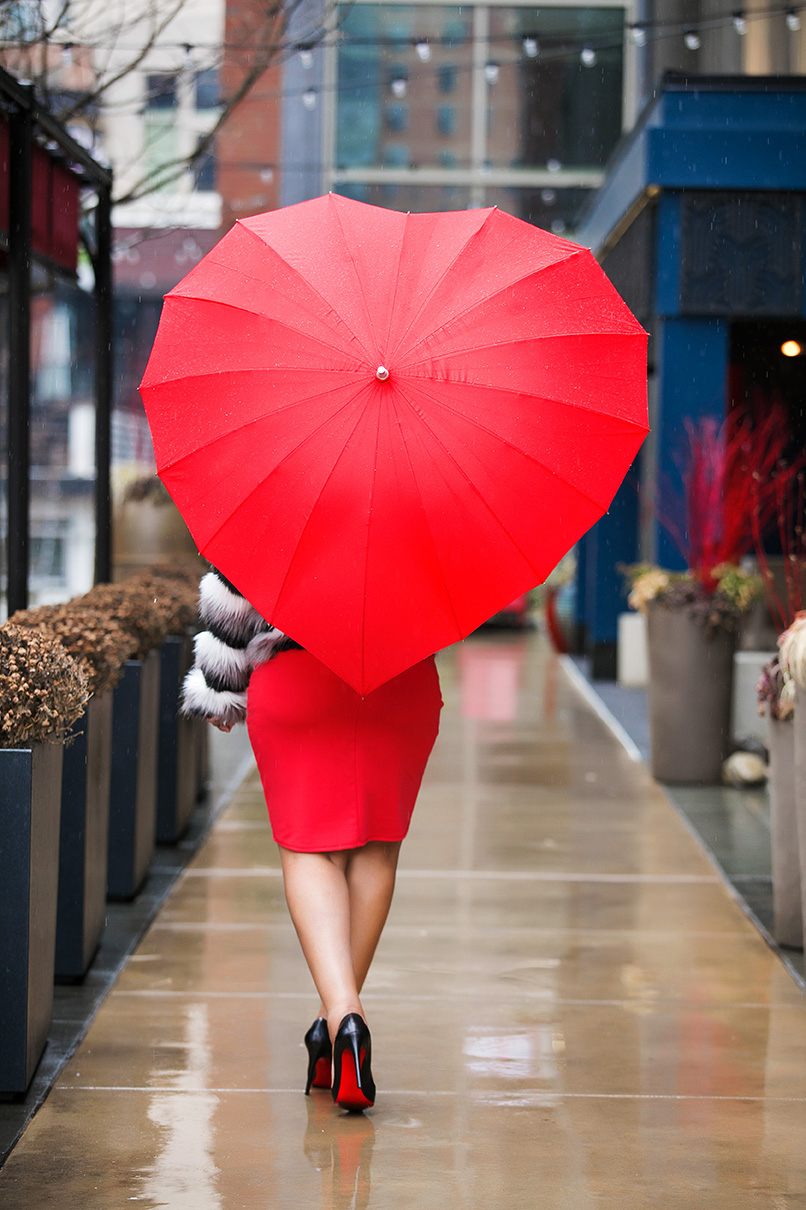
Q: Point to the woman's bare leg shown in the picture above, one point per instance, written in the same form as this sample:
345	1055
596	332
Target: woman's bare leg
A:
318	899
339	903
371	883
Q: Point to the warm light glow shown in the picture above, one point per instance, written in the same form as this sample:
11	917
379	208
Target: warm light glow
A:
791	348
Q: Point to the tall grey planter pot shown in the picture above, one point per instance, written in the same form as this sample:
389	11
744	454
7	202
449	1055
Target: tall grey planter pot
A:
30	802
799	728
178	743
690	692
84	836
133	789
786	889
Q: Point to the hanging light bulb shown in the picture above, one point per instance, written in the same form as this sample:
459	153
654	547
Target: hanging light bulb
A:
531	48
309	98
692	39
740	24
491	72
399	87
638	34
793	21
306	57
588	56
423	50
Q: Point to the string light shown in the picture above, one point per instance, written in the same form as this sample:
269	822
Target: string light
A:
588	56
740	24
309	98
692	39
791	348
491	72
423	50
306	57
531	48
399	87
638	35
793	21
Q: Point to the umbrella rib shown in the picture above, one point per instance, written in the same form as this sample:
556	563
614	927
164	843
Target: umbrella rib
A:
510	445
358	276
216	302
301	276
524	340
283	460
436	284
476	492
415	381
509	285
424	511
366	551
239	428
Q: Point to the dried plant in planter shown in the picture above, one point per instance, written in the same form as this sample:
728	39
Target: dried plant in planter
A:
43	690
87	634
149	606
175	595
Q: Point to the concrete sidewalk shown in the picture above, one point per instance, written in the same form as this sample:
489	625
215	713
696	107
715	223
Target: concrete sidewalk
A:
568	1008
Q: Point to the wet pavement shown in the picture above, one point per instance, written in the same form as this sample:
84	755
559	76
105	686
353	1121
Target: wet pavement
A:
568	1008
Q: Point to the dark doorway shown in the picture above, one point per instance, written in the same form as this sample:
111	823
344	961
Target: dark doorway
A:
761	374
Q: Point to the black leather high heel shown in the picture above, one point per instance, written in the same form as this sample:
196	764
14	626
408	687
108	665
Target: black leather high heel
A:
353	1086
320	1054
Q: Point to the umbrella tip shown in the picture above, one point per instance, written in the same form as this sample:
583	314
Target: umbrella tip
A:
382	373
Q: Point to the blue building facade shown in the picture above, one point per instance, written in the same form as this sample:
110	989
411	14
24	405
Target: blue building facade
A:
701	225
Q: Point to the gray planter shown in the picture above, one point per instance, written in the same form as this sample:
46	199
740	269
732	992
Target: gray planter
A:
83	840
178	739
690	691
30	802
786	891
799	728
202	728
133	790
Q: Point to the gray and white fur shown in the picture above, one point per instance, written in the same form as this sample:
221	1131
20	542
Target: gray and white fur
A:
236	640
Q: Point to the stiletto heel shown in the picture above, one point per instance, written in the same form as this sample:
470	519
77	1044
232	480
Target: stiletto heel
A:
320	1053
353	1086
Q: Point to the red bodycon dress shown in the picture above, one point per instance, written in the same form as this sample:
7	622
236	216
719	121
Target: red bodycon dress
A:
339	770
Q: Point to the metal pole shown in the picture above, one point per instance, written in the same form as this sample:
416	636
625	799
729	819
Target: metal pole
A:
20	122
103	384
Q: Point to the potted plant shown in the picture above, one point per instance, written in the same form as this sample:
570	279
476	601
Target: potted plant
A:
694	616
43	691
104	647
135	734
178	765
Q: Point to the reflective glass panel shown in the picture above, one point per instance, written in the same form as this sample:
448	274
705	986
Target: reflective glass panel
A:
554	86
397	56
555	210
417	199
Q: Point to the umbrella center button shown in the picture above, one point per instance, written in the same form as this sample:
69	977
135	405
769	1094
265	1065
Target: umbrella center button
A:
382	373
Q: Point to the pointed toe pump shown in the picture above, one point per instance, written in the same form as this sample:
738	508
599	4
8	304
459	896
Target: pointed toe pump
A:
353	1086
320	1053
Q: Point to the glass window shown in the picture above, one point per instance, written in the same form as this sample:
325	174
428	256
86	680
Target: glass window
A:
555	107
206	89
397	118
379	67
396	155
204	171
446	76
416	199
555	210
446	119
161	92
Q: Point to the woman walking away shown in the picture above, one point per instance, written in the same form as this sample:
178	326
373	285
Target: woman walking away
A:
341	775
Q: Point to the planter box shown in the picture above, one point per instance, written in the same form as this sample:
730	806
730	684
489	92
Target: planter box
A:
799	728
690	694
178	774
633	670
83	841
203	773
786	892
133	790
30	802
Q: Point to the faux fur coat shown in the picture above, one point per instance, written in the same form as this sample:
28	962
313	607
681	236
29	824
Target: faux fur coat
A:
236	640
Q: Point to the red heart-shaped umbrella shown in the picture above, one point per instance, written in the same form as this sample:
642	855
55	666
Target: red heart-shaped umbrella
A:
384	427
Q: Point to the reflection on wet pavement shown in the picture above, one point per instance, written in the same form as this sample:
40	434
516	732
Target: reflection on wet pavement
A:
568	1009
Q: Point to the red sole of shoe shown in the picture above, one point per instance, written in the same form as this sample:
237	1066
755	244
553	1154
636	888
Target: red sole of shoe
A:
348	1094
322	1077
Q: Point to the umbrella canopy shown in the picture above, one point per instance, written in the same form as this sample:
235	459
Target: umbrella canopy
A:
384	427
